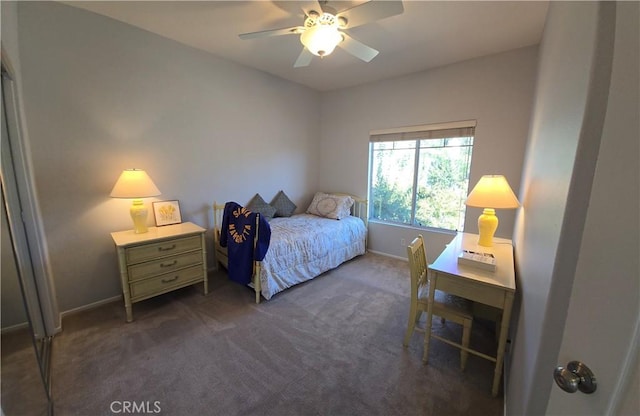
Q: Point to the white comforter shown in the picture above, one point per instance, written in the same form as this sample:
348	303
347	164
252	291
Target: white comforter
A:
304	246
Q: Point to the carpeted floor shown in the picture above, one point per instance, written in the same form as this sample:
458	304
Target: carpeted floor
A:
22	387
332	346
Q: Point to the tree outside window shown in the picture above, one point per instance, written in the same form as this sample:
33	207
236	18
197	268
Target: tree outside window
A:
421	182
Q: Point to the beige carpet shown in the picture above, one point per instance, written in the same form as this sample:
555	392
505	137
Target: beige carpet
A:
332	346
22	386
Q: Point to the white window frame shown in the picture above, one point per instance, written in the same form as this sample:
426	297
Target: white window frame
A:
465	128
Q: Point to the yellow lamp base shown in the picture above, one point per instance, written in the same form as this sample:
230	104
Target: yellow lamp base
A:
139	216
487	226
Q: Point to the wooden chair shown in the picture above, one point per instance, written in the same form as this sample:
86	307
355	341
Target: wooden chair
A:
447	307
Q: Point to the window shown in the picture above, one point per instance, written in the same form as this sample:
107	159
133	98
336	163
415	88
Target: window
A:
419	176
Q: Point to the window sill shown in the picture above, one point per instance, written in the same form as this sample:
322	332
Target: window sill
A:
413	227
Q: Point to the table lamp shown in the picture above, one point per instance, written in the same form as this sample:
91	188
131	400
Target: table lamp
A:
491	191
136	184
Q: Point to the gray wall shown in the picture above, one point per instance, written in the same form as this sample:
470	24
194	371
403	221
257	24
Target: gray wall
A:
39	276
608	267
101	96
562	245
497	91
566	55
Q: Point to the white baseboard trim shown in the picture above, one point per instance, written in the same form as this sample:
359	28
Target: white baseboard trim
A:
90	306
388	255
13	328
119	297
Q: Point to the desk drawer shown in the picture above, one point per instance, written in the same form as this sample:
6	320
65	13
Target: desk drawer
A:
153	251
165	282
473	291
164	265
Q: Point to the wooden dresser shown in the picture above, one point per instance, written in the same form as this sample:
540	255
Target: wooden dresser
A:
159	261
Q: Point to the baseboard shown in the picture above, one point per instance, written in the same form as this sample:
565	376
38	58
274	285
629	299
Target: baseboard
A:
90	306
387	255
15	327
24	325
99	303
119	297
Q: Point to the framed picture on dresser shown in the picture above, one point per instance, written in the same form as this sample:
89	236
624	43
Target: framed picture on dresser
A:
167	212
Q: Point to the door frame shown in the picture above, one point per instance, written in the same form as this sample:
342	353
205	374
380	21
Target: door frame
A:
19	153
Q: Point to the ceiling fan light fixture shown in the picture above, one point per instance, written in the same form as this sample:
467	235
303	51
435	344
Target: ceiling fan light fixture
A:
321	40
324	29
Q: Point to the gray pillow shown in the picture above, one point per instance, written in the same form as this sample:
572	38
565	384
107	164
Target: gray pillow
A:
284	206
257	204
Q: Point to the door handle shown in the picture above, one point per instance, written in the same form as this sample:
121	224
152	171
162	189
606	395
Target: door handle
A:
576	376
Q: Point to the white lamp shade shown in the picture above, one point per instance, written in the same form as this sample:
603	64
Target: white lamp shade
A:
134	183
492	191
321	40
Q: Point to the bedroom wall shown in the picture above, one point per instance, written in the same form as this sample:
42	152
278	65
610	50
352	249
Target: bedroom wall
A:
561	96
497	91
101	96
583	150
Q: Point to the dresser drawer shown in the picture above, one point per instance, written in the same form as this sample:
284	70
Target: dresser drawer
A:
164	265
159	261
165	282
153	251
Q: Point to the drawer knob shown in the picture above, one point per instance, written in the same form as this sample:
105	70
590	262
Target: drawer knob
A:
173	279
167	248
173	263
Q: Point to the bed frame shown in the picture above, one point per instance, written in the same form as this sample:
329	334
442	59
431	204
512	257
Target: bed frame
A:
358	209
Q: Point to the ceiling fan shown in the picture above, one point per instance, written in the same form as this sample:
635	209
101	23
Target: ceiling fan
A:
323	29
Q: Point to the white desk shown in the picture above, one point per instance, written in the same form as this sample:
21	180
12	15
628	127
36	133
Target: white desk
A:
496	288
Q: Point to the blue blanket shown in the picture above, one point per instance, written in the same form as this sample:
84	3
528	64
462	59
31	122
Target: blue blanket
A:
237	234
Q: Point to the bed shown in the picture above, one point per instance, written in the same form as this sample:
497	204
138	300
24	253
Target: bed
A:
302	246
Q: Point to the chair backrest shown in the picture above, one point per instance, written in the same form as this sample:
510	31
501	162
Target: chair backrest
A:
417	264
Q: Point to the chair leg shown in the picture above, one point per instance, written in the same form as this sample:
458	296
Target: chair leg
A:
413	317
466	335
498	321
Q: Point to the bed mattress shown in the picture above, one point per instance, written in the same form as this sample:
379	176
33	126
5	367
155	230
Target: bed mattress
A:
304	246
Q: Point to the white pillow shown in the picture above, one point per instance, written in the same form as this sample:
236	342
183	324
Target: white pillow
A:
330	206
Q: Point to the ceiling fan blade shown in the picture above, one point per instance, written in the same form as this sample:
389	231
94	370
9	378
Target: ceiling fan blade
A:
312	6
304	59
295	30
371	11
357	49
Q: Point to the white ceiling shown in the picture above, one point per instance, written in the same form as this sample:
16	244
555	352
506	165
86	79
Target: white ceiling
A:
428	34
